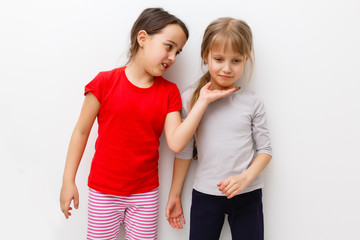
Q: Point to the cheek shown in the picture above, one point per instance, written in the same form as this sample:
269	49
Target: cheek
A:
213	67
240	70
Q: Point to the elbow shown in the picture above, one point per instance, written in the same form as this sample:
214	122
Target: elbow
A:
175	149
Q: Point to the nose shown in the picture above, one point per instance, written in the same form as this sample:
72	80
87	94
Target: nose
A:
172	56
227	67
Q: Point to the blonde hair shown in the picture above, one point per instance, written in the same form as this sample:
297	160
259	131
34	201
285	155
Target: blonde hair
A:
224	33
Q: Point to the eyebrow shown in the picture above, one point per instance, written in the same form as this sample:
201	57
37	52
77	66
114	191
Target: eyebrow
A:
173	42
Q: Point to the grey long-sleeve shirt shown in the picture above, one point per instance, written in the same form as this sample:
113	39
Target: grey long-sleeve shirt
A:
232	132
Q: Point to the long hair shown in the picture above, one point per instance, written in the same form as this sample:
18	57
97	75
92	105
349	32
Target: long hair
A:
224	33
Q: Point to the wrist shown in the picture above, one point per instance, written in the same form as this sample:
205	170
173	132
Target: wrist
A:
246	177
68	179
174	194
202	102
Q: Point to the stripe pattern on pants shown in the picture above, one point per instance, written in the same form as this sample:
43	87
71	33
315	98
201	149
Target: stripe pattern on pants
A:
138	212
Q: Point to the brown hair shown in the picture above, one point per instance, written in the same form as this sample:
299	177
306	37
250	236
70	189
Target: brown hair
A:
152	20
221	34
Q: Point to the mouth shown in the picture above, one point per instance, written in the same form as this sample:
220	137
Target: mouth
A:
165	65
225	76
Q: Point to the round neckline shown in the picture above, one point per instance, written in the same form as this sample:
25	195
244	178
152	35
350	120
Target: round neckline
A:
139	89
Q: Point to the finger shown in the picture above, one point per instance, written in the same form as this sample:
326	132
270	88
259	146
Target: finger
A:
76	201
65	207
228	91
174	223
230	188
224	184
229	191
171	222
220	183
167	213
208	85
234	193
183	219
178	223
67	213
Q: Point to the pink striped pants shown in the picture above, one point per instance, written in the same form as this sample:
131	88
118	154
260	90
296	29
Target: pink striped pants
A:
139	213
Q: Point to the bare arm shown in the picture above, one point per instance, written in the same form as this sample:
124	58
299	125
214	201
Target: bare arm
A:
174	212
179	133
76	149
236	184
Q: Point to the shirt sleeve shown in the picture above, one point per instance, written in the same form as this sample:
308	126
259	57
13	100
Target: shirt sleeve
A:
187	153
95	86
174	103
260	129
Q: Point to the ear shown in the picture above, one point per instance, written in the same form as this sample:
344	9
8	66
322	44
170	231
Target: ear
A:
142	36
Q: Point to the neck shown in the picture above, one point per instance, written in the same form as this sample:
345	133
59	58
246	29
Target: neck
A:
138	76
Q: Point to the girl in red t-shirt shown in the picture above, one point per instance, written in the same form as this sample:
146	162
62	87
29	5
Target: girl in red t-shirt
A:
132	105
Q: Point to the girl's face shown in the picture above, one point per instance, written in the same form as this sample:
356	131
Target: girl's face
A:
160	50
225	67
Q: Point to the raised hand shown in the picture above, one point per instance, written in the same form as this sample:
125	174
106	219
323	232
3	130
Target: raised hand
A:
212	95
174	213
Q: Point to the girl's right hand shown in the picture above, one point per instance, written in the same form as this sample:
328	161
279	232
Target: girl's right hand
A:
213	95
69	192
174	213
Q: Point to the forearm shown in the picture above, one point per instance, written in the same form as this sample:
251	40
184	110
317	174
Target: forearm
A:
181	167
76	149
185	130
258	165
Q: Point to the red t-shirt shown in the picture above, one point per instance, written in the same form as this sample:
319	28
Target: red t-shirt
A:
131	120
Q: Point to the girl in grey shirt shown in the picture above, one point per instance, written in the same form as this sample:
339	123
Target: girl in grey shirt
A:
232	140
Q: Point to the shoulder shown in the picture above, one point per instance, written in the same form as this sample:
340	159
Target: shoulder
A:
111	74
251	96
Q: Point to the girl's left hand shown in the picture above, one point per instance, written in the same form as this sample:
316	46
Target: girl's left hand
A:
232	185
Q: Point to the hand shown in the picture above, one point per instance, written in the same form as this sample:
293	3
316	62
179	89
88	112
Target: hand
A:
213	95
69	192
174	213
232	185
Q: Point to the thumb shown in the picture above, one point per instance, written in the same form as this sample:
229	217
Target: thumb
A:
167	210
76	201
208	85
167	213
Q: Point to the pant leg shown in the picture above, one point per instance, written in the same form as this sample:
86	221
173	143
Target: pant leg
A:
141	215
246	216
206	216
105	214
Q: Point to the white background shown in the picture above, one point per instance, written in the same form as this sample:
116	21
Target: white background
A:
307	72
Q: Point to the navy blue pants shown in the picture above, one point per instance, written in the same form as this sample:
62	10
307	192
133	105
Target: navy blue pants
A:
245	216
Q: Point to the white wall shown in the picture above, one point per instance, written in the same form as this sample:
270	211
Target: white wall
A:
307	72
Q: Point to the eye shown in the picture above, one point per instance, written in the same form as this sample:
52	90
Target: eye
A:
169	46
218	59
